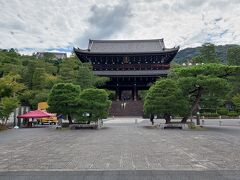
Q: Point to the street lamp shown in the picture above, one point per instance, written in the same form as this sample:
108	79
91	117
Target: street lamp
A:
198	118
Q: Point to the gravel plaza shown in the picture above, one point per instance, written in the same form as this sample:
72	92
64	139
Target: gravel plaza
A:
122	144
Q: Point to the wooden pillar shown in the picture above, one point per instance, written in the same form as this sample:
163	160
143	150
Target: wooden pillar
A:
117	93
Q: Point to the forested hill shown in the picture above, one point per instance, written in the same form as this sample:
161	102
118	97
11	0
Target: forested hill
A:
186	54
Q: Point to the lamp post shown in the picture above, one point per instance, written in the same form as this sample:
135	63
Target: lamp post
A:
198	118
15	120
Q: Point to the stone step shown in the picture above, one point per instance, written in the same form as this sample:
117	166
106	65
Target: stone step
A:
126	108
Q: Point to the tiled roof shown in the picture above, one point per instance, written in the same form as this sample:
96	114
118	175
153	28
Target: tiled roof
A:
125	46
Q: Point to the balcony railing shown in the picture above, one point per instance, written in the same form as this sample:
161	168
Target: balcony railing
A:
125	67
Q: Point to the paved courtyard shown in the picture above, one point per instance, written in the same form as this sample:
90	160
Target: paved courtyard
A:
121	145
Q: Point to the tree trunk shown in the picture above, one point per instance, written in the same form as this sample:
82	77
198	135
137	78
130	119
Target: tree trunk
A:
167	118
184	119
195	106
70	119
6	119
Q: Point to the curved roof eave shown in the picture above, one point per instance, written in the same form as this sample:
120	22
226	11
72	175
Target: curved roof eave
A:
149	52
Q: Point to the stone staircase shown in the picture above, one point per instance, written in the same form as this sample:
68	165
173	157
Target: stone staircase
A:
131	108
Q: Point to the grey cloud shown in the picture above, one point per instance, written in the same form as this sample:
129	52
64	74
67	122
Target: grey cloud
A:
186	5
105	21
16	25
218	19
219	4
195	3
46	24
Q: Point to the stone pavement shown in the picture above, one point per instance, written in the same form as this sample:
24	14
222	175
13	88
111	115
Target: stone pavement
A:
120	146
121	175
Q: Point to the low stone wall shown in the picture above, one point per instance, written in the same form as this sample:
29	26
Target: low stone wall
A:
174	126
83	126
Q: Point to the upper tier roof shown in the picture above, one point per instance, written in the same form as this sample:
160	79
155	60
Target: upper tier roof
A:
126	46
123	46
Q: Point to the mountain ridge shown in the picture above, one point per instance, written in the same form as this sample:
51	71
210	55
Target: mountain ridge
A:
186	54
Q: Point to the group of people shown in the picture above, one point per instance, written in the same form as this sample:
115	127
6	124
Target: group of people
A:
123	105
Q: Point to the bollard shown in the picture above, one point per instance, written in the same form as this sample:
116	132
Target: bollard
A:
220	123
136	121
202	122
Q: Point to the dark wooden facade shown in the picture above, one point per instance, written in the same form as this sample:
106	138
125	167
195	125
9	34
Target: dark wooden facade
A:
131	65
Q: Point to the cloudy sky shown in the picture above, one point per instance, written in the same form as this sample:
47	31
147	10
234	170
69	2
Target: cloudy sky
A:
60	25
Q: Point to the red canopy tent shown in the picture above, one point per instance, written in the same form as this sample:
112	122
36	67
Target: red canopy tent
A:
35	114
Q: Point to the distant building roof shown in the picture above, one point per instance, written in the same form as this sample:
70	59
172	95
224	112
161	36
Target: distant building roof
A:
125	46
57	55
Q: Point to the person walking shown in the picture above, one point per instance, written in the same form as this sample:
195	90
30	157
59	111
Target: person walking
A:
152	119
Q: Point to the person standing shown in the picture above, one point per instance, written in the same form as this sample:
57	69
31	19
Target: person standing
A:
124	105
152	119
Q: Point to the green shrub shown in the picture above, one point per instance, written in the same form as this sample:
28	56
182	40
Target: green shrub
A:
210	114
222	111
142	94
237	110
191	125
208	110
232	114
111	94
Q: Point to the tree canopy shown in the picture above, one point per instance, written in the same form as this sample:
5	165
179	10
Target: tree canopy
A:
192	88
165	99
233	56
7	106
28	80
208	53
94	103
38	75
204	85
63	99
236	100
